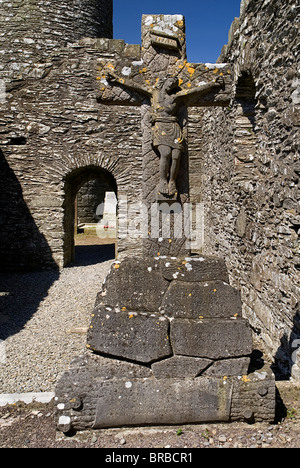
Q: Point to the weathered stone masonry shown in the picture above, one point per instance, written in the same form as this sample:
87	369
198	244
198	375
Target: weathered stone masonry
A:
55	135
250	174
243	160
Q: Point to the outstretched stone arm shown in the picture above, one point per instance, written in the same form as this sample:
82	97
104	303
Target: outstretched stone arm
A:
202	90
128	83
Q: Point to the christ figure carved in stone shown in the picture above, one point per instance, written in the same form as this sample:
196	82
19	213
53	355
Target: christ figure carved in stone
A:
166	98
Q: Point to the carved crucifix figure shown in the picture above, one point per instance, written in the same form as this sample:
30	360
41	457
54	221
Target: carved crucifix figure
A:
167	134
165	85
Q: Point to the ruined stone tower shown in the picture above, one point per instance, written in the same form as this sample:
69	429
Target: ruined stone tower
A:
55	135
35	28
53	131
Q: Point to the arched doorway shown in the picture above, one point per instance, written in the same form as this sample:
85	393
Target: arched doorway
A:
89	184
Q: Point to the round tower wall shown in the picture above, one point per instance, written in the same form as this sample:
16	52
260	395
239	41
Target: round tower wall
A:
30	30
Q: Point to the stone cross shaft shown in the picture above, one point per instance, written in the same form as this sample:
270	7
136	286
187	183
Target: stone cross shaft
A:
164	84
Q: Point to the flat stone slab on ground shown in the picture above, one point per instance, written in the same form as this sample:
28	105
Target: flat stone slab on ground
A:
98	392
164	401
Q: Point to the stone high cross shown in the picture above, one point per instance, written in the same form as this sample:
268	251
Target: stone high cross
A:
164	84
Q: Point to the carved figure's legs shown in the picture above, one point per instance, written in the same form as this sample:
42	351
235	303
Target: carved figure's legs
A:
165	159
174	171
169	167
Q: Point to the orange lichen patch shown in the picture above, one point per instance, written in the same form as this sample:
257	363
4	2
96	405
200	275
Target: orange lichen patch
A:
179	23
236	315
117	266
191	70
123	308
181	66
215	70
201	317
189	85
184	262
225	377
180	81
111	66
215	290
131	316
143	70
245	379
170	241
158	254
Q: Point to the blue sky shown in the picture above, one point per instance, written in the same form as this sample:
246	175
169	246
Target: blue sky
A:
207	22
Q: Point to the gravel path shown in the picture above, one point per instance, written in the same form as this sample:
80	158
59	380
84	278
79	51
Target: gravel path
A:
44	317
43	321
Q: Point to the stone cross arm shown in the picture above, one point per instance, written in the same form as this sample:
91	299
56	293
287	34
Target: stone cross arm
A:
128	83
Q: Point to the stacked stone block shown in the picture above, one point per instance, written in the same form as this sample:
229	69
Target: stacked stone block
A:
167	345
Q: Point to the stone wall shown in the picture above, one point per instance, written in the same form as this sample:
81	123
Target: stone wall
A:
90	196
32	29
250	174
243	159
55	136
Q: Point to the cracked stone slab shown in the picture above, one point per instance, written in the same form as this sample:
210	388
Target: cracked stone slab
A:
134	336
180	367
228	367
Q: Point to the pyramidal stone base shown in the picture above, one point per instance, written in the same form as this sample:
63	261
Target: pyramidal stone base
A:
167	345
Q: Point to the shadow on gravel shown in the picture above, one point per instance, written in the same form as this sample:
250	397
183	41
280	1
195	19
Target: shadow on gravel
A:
86	255
23	249
21	293
20	296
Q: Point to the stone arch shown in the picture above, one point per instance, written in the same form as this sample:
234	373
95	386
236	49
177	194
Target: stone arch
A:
73	182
